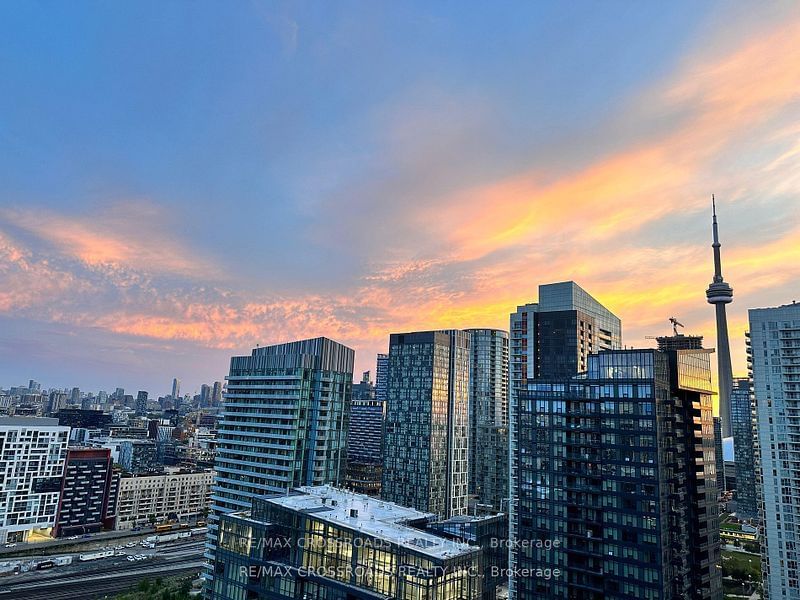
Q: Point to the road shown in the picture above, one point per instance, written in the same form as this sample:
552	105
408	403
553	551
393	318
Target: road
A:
67	546
105	577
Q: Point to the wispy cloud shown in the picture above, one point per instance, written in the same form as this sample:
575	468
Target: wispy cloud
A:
446	237
136	234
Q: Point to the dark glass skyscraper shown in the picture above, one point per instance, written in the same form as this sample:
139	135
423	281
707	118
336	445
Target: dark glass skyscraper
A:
365	439
616	472
488	418
425	462
553	338
744	450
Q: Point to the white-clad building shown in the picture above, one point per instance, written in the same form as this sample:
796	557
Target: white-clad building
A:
774	357
33	452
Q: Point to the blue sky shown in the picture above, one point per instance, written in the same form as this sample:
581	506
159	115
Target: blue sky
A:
184	180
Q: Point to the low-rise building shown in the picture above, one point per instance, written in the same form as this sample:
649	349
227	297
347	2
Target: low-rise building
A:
323	542
178	494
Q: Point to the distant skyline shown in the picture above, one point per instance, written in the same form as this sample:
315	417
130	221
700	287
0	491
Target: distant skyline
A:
183	181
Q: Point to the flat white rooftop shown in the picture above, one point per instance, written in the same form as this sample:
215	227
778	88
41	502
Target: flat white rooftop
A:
373	517
29	422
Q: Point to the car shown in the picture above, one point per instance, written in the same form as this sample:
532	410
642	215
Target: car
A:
130	544
87	535
131	558
73	537
118	547
118	553
11	545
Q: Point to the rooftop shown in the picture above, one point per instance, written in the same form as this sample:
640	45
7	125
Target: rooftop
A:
29	422
375	518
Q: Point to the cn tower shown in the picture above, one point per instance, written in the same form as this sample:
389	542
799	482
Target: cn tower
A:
719	293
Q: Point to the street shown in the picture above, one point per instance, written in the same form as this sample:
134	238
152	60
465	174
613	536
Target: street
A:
105	577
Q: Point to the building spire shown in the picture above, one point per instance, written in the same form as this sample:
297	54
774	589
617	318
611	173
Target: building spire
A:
719	293
716	245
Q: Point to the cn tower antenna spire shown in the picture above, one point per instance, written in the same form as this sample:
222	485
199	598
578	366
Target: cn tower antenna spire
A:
719	293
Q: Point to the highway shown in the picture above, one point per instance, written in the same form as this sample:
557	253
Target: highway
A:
105	577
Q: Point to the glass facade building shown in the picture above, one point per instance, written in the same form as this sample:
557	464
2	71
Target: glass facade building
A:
553	338
744	450
774	356
425	445
284	424
381	377
490	534
720	462
488	418
322	543
616	477
365	439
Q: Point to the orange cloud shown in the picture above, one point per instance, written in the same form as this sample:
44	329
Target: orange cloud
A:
501	238
123	235
713	102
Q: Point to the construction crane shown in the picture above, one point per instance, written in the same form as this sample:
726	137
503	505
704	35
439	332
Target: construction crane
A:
675	325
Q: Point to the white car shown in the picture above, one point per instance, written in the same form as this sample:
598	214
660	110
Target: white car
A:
11	545
131	558
73	537
130	544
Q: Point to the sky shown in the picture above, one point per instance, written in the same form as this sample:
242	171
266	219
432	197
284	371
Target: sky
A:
180	181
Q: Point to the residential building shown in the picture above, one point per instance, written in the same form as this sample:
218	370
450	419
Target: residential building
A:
32	456
747	480
365	439
85	493
774	356
719	460
133	455
553	338
57	400
216	394
488	418
285	421
321	542
141	403
205	395
426	432
616	473
381	377
284	424
177	495
85	419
